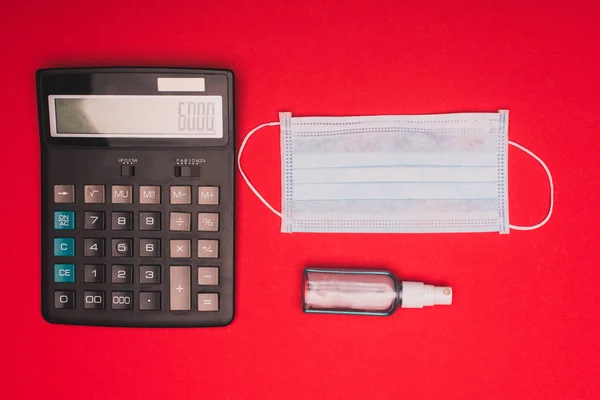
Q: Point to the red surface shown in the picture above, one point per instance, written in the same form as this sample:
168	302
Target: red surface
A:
524	323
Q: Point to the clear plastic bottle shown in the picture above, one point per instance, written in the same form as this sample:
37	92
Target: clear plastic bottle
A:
366	292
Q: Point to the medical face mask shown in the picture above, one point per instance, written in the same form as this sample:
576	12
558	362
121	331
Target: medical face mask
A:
395	174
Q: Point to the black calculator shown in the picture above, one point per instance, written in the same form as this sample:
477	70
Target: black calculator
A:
138	190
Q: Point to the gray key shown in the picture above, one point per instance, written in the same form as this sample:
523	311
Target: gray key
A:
208	248
64	193
122	194
208	195
181	195
180	282
93	194
208	222
208	302
180	221
180	248
208	276
149	194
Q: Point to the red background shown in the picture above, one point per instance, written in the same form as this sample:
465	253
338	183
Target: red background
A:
524	323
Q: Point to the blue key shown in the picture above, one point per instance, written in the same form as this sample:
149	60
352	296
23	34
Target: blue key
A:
64	247
64	273
64	220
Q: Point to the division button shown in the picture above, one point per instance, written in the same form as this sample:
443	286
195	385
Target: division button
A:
180	221
180	281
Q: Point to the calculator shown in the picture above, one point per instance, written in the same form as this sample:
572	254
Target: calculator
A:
137	196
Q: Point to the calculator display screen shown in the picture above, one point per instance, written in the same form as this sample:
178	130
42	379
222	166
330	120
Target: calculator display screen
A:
149	116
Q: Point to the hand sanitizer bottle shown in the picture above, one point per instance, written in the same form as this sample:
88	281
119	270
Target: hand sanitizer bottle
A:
366	292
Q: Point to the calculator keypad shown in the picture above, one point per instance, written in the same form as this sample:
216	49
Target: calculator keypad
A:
118	235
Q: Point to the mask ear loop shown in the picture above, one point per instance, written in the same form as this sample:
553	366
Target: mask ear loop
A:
543	164
256	192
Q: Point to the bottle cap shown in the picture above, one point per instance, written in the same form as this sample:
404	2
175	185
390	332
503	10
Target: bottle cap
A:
419	295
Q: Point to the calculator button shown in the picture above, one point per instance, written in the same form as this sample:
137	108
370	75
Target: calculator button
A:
122	221
122	274
64	247
180	221
93	194
180	248
149	194
208	248
122	300
122	194
64	220
93	273
208	276
64	273
180	280
127	170
208	195
208	222
64	299
150	248
208	302
93	300
93	247
64	193
181	195
122	247
150	274
149	221
149	301
93	220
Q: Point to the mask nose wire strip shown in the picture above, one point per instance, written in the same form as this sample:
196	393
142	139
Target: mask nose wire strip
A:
248	136
543	164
